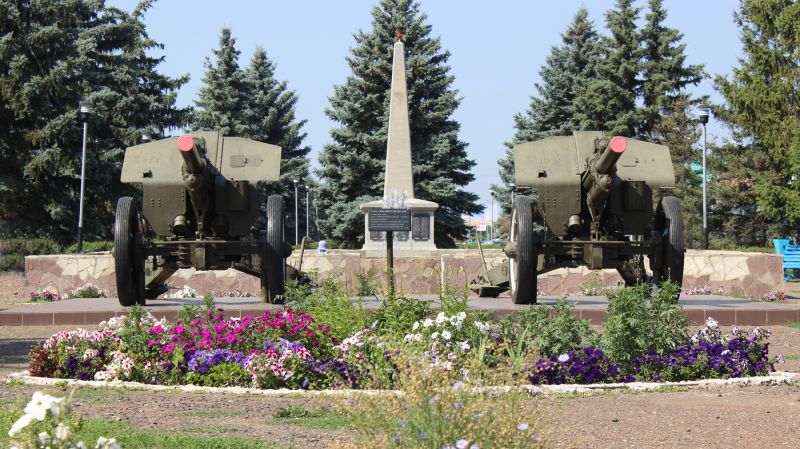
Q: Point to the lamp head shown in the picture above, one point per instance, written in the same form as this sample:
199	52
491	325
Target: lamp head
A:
703	113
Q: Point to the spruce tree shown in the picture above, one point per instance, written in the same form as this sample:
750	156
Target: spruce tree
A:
222	100
609	102
269	117
567	73
53	55
352	167
763	102
665	74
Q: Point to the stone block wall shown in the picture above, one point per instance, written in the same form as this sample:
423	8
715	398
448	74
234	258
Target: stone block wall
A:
741	274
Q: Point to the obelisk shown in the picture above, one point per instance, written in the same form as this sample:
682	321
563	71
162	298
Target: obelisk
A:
398	184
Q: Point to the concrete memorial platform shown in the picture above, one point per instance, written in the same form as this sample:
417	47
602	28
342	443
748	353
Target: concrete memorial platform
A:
736	273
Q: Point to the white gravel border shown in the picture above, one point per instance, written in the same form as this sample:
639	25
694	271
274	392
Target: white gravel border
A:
777	378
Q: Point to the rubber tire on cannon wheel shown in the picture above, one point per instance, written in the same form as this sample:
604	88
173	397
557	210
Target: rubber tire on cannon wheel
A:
523	269
129	271
669	221
273	264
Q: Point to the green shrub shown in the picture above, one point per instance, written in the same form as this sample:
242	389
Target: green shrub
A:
640	319
548	331
329	303
452	302
90	247
397	314
366	283
13	251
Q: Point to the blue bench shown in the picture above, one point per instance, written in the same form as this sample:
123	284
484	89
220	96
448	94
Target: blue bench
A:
791	258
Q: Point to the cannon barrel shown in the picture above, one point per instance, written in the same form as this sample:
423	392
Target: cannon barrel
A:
610	155
191	157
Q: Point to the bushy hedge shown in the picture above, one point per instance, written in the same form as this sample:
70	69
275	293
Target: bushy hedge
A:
13	251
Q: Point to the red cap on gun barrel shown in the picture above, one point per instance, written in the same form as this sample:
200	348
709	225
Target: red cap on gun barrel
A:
618	144
185	143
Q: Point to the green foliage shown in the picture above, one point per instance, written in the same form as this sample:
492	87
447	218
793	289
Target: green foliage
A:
134	334
397	314
763	106
452	302
220	375
365	283
91	247
640	320
434	412
352	168
548	331
53	55
13	251
316	418
329	303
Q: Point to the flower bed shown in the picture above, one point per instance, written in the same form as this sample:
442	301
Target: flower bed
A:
300	349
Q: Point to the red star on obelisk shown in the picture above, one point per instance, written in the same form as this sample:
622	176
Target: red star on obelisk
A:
399	36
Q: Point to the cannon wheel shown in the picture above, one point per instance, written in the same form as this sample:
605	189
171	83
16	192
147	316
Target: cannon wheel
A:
273	263
669	223
522	269
128	266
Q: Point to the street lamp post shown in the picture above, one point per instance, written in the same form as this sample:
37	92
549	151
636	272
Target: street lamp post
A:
703	115
84	114
307	203
296	217
491	217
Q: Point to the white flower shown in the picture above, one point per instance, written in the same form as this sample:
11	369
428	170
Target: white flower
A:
408	337
563	358
435	335
44	438
522	426
465	346
446	334
427	323
440	318
62	432
107	443
462	444
462	315
711	322
21	423
41	403
416	326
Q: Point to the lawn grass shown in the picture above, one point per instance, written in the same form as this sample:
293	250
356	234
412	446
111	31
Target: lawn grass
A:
793	324
130	437
318	418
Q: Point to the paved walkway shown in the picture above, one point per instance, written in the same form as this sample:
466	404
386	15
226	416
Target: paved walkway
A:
726	310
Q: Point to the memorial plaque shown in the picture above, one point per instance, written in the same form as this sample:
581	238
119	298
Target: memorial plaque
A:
389	219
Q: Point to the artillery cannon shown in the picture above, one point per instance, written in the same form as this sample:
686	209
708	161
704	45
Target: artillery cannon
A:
595	207
199	205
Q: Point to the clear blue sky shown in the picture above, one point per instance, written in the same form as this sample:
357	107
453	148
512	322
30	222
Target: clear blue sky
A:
497	48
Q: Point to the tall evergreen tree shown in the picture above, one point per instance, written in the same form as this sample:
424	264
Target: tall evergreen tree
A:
665	74
569	69
269	116
609	102
352	168
763	102
222	100
52	55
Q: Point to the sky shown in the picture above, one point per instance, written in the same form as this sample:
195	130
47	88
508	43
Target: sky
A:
497	48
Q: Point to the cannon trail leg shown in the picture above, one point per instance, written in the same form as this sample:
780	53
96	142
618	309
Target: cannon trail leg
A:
273	262
522	268
128	261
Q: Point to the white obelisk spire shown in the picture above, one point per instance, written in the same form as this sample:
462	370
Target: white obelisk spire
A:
398	175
